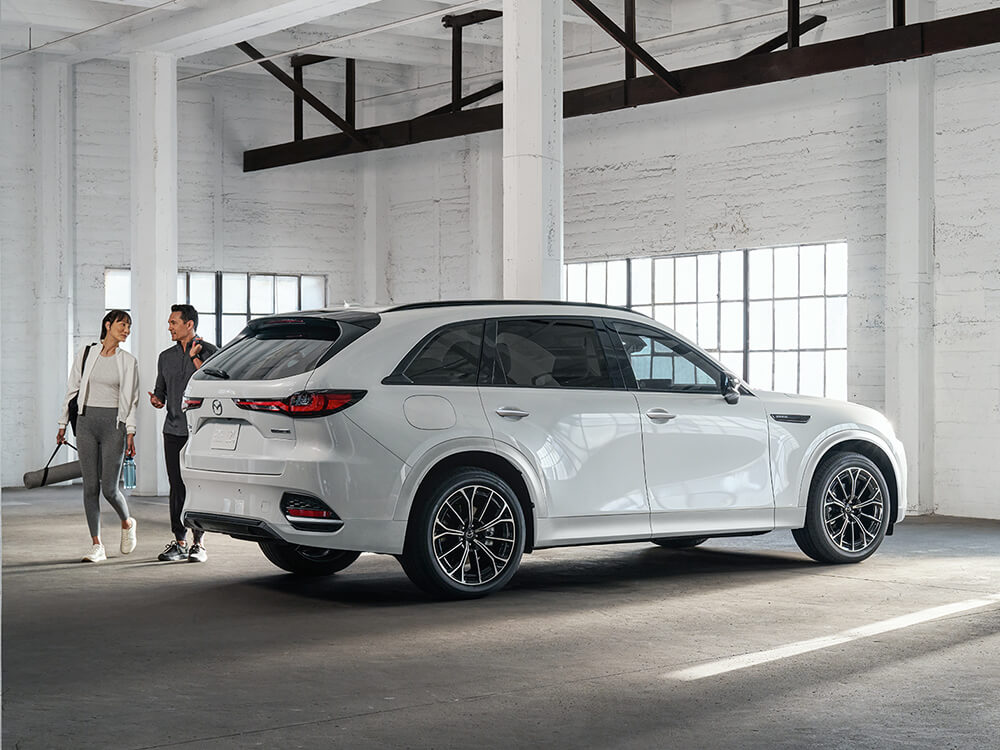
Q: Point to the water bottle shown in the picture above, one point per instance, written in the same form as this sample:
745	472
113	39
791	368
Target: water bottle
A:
128	474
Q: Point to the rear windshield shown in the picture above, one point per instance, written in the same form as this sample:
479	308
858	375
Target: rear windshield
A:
271	349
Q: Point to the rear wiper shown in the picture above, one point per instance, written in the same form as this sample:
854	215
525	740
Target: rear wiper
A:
215	372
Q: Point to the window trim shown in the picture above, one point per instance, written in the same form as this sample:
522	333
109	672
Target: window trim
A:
605	342
398	377
706	362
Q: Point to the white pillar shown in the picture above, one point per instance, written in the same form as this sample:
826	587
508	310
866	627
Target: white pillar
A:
532	149
486	212
372	261
55	259
153	121
909	266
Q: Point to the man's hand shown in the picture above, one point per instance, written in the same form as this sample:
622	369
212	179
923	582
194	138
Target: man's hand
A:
130	446
154	400
195	350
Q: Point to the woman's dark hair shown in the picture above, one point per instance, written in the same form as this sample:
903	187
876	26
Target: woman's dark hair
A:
113	317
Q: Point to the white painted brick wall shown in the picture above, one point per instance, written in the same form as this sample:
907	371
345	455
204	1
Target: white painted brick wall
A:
293	220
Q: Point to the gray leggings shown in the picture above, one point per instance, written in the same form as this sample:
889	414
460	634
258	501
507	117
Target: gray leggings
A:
101	444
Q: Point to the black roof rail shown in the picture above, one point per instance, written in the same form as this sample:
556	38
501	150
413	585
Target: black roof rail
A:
512	302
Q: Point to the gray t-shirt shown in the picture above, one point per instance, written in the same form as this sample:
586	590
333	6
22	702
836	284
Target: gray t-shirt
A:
173	371
105	382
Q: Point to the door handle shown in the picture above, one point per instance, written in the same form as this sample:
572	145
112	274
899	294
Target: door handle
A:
660	415
510	411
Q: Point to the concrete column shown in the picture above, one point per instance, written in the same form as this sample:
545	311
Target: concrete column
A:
532	149
153	120
486	211
372	261
55	260
909	266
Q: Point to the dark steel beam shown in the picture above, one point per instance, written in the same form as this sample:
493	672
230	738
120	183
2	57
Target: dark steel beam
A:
634	49
898	13
782	39
467	100
630	30
350	88
793	24
297	106
298	61
456	68
875	48
307	96
467	19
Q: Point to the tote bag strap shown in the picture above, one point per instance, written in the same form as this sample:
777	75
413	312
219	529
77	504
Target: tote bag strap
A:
45	469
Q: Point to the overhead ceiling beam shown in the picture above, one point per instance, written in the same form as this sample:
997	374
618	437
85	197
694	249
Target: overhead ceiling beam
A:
630	45
305	94
782	39
875	48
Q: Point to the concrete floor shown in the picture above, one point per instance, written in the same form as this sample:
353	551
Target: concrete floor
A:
580	651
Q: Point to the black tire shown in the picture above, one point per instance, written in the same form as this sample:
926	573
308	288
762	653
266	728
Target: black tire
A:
453	552
848	511
307	561
680	542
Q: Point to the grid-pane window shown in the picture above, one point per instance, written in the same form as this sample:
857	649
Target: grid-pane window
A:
117	296
776	316
227	301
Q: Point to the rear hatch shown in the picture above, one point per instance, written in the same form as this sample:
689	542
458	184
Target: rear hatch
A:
244	406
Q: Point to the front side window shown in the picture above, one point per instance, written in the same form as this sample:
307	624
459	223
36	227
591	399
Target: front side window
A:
663	363
550	353
449	356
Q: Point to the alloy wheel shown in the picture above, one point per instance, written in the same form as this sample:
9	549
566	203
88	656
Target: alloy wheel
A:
474	535
853	509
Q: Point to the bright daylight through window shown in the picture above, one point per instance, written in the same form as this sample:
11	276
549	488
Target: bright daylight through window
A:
775	316
226	302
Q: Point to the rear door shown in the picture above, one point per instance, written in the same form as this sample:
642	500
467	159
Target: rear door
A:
553	394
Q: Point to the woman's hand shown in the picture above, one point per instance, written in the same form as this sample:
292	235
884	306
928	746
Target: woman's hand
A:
61	436
129	446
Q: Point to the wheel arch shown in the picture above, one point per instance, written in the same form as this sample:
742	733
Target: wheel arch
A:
867	446
480	459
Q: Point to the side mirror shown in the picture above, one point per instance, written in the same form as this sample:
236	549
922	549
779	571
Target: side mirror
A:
730	387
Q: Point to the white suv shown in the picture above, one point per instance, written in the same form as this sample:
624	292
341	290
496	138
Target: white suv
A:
460	435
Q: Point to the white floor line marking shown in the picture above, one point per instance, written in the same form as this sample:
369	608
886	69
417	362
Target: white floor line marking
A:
733	663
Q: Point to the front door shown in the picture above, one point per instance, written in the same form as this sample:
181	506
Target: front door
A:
706	460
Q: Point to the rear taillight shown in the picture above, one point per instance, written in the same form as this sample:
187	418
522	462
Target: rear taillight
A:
304	403
192	403
307	513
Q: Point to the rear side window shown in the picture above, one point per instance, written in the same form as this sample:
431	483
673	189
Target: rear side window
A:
550	353
271	349
449	356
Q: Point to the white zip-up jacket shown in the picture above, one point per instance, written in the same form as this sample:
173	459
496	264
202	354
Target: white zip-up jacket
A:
128	388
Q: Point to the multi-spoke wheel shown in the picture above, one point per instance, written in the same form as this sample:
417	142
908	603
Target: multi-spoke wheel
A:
307	561
848	511
466	539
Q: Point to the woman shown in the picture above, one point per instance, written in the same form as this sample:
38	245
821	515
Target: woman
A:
107	392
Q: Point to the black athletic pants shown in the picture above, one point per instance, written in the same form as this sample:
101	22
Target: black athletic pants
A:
172	447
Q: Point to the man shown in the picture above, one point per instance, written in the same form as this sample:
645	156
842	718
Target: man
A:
174	369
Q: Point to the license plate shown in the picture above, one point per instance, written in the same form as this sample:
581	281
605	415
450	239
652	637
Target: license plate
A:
224	437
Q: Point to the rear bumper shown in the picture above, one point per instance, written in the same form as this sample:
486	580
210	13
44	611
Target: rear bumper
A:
248	506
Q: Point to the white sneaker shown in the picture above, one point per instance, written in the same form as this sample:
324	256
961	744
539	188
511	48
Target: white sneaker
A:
96	554
128	537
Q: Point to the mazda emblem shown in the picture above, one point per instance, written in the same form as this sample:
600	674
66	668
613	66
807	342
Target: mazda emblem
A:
216	407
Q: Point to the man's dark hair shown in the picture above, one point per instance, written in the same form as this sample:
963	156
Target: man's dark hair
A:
187	313
113	317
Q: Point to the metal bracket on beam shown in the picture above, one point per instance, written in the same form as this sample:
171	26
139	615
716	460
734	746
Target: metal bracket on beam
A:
782	39
633	48
793	24
456	23
302	91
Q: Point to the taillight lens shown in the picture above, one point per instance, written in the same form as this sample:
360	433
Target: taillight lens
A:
192	403
304	403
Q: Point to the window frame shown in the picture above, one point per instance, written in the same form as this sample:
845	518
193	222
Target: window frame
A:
700	360
605	342
398	375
